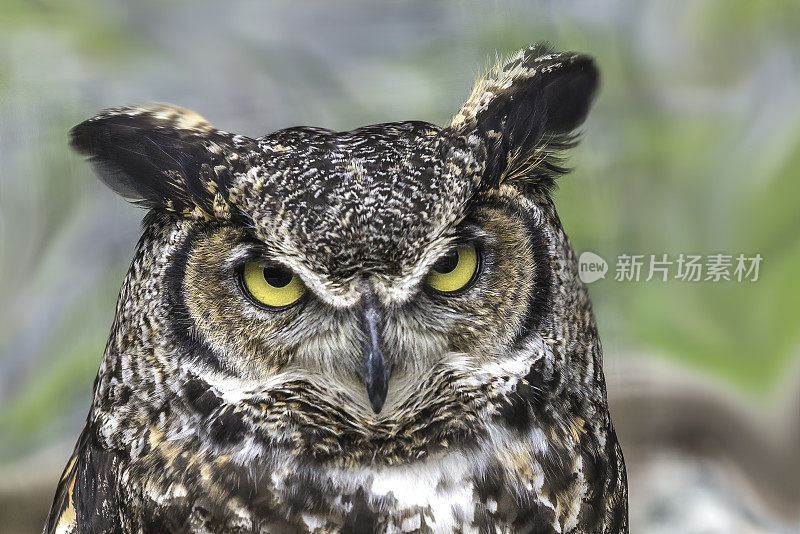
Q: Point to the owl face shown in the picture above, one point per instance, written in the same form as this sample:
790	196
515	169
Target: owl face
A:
261	315
381	284
360	268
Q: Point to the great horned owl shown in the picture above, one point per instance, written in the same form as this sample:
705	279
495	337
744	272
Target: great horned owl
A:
379	330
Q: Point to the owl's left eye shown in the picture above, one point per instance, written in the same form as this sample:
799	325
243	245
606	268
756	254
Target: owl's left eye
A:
455	270
272	285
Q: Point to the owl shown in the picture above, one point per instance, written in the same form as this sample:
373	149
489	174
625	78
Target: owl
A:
379	330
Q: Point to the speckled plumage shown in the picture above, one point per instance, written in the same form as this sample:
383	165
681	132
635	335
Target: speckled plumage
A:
211	414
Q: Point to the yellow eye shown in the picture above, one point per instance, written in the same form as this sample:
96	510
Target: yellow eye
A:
272	285
454	270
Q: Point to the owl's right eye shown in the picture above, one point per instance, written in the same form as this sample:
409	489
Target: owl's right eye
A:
272	285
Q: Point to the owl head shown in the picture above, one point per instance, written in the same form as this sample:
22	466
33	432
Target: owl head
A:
364	295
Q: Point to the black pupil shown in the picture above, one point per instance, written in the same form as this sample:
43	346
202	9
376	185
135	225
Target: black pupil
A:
446	263
277	276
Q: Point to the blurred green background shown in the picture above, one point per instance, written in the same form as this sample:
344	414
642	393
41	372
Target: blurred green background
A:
692	148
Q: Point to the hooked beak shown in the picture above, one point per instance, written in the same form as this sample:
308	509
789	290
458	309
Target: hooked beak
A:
376	369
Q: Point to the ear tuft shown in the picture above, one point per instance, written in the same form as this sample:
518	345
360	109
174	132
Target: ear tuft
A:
161	156
525	110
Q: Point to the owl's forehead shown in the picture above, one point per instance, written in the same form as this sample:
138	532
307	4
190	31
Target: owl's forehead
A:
341	203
